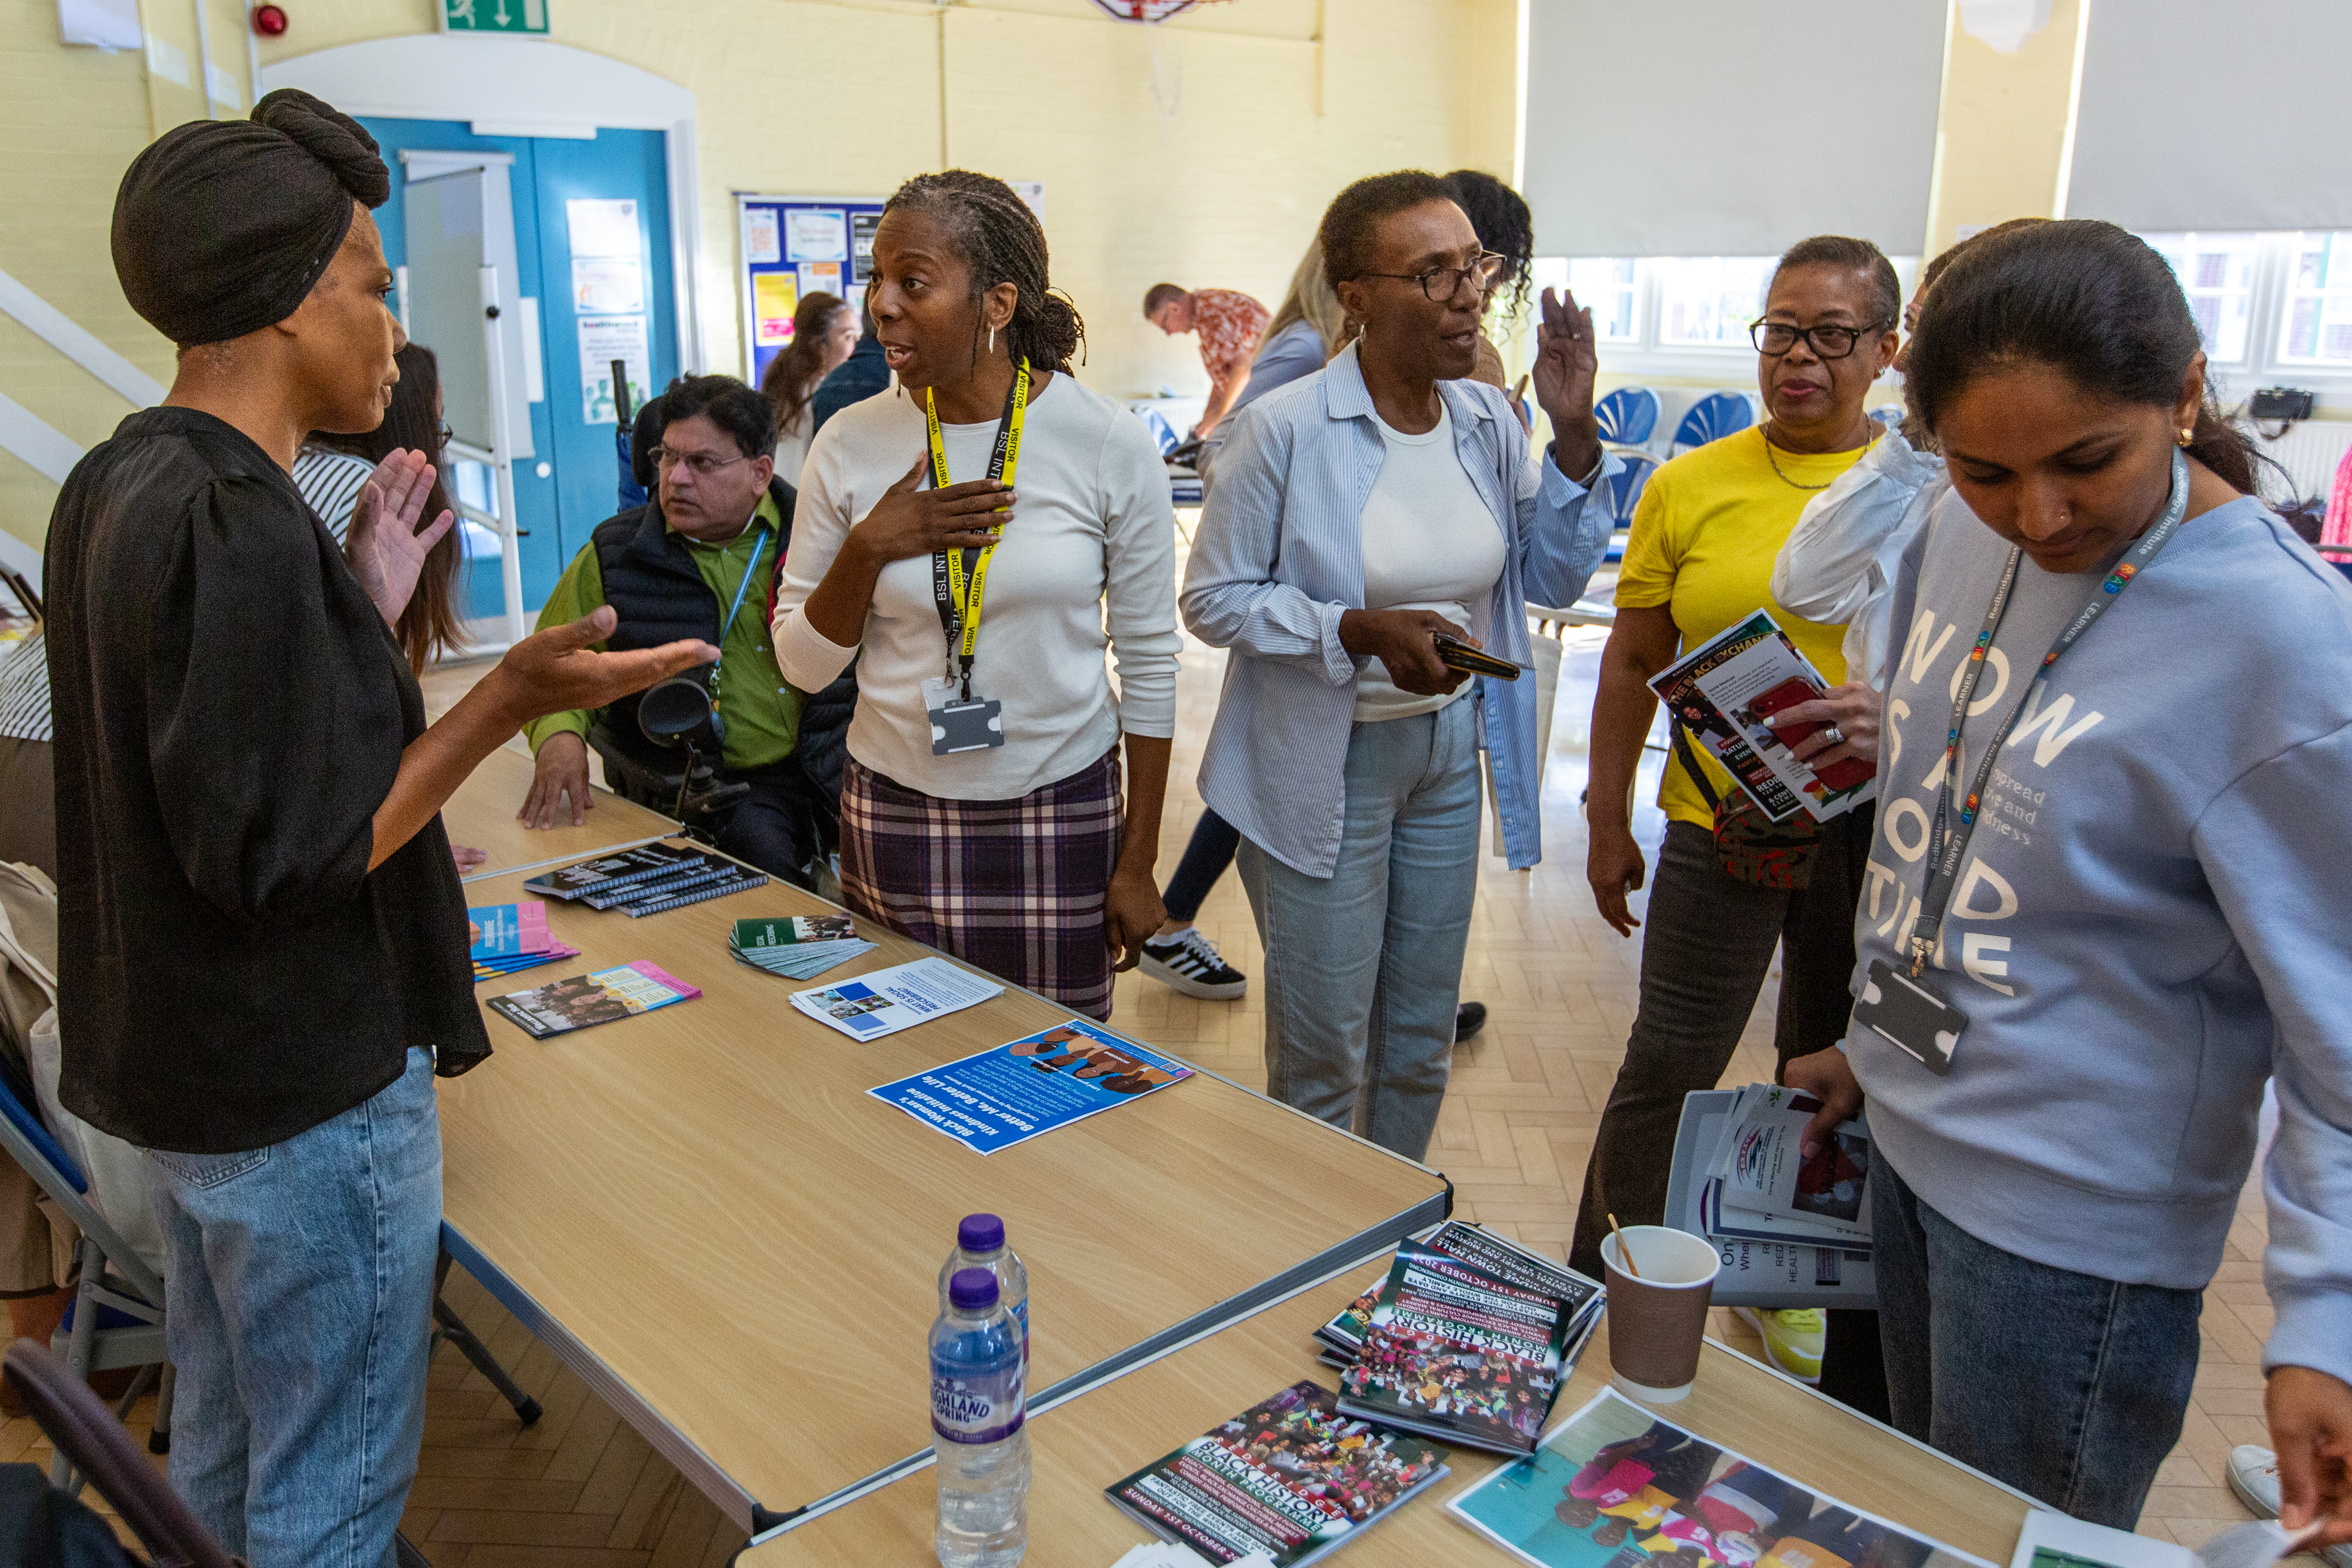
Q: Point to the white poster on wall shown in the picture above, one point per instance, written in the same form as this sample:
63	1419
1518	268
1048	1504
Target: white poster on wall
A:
761	242
601	227
607	284
108	24
816	234
603	340
1032	192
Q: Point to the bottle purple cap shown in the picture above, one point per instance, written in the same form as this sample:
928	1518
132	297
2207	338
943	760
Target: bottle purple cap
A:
979	1233
971	1290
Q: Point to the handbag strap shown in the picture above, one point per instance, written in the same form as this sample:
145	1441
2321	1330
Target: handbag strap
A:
1689	759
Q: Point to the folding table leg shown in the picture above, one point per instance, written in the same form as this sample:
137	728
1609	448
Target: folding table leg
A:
159	1437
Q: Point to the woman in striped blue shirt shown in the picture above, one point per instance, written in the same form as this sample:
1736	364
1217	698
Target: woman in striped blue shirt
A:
1359	514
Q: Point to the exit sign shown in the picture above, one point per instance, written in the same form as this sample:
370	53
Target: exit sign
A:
494	15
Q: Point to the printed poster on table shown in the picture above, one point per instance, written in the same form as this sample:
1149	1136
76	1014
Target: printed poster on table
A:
820	234
600	227
774	297
1614	1484
1031	1085
603	340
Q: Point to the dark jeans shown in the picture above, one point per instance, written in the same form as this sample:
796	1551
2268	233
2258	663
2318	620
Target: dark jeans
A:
780	826
1705	950
2065	1385
1206	858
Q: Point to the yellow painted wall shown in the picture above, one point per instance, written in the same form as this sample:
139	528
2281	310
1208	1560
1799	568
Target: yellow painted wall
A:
2001	138
1265	107
70	121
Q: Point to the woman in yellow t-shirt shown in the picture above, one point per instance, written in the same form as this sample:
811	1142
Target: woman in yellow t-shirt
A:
1700	558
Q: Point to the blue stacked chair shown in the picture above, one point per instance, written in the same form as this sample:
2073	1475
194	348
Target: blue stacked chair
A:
1627	415
1712	417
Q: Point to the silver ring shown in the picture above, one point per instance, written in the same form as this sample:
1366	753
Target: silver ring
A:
1835	736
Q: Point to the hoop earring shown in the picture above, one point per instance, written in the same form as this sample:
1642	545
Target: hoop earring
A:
2188	436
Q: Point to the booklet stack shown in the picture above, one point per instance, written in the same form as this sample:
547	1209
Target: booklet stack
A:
647	879
1286	1481
1760	1187
799	947
1728	693
511	937
585	1001
1467	1338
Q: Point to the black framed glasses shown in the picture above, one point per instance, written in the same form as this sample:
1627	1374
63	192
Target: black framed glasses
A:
1827	341
704	464
1442	283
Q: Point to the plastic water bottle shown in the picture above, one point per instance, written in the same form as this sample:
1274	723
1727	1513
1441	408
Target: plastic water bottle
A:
979	1244
976	1429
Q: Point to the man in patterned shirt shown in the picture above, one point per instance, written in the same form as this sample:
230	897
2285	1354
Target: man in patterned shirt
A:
1230	323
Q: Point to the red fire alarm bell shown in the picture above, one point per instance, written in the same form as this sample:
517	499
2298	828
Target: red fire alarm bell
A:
269	21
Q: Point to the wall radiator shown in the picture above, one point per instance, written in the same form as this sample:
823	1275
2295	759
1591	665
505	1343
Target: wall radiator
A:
2309	452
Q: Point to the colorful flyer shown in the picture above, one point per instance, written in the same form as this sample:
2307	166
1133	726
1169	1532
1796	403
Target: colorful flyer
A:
774	297
1032	1085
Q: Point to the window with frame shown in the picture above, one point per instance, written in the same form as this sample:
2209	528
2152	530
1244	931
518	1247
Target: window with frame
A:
2316	319
1676	315
2217	272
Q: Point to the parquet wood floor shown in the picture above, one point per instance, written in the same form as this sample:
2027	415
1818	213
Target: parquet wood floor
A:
582	1490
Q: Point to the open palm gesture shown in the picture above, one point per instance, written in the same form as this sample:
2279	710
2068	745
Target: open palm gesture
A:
385	547
1567	364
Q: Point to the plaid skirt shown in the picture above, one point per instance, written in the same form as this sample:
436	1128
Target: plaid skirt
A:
1014	887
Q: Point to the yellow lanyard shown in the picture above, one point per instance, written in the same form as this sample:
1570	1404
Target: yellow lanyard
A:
960	588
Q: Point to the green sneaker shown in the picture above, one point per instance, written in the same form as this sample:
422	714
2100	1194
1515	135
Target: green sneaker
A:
1793	1338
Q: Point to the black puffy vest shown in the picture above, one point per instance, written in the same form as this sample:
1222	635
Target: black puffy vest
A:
651	580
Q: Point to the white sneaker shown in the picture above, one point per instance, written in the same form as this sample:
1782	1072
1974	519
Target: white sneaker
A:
2253	1475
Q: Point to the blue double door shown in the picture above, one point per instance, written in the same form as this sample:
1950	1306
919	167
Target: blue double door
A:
558	510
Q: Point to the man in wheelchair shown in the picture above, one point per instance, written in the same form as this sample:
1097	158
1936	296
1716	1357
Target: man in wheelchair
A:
704	554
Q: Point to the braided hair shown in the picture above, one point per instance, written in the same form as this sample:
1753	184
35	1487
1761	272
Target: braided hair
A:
1001	240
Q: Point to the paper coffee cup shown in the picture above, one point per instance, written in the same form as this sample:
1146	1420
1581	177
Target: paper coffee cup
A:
1657	1320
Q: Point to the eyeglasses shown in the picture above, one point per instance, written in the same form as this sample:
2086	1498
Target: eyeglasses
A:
1777	338
704	464
1442	283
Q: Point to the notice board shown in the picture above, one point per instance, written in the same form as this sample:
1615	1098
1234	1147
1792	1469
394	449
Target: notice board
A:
793	246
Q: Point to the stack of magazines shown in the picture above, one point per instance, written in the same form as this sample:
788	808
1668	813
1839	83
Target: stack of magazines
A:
1286	1481
1468	1338
799	947
649	880
1760	1187
511	937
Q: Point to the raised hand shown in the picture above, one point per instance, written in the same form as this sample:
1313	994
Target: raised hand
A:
1567	364
907	521
556	670
385	547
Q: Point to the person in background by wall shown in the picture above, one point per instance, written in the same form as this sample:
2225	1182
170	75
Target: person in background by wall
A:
1305	331
982	807
430	626
1357	516
1230	324
243	761
824	332
2147	923
28	822
1507	228
1731	885
701	560
1838	567
864	374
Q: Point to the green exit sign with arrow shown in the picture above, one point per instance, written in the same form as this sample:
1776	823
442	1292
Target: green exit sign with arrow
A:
494	15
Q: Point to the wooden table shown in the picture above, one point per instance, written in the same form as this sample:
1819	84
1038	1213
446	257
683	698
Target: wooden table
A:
482	814
701	1210
1106	1434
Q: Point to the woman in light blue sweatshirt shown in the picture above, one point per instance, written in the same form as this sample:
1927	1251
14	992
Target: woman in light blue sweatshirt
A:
2131	905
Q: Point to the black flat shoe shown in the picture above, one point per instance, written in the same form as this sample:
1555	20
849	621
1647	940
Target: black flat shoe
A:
1469	1017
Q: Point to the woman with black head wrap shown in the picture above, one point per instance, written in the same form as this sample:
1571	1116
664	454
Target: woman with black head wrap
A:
249	822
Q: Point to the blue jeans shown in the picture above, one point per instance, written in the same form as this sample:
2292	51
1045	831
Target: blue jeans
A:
299	1283
2065	1385
1363	967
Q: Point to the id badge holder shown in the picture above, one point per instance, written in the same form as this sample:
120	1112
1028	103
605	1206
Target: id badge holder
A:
961	726
1907	1013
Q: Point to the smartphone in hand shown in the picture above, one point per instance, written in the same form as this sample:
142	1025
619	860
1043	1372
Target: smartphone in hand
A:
1455	653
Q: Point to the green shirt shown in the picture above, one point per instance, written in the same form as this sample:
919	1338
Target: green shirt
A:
761	712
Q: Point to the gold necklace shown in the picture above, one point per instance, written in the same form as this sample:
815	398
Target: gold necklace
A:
1825	484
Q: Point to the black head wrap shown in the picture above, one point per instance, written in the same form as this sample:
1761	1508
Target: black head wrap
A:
222	227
